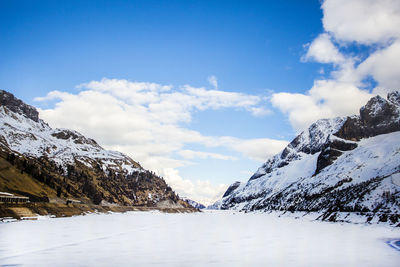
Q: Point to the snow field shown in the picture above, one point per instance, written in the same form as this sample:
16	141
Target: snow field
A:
210	238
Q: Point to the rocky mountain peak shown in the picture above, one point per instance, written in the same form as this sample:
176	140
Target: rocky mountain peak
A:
312	140
394	97
378	110
378	116
309	141
14	104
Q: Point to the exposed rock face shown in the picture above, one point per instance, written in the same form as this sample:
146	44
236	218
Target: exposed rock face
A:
17	106
75	136
378	116
73	165
394	97
332	149
231	188
336	165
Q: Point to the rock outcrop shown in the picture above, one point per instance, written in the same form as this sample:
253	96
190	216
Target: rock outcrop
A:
231	188
378	116
16	105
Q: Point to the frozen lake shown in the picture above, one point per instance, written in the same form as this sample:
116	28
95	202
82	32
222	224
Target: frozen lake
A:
212	238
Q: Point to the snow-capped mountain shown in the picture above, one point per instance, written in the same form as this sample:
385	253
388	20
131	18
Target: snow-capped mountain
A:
336	166
72	164
194	204
22	131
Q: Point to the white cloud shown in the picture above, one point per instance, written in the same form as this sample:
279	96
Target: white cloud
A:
373	23
201	191
324	51
260	111
215	99
384	66
213	81
53	95
146	121
326	99
190	154
124	88
257	149
362	21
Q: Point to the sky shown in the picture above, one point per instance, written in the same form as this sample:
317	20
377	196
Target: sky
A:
201	92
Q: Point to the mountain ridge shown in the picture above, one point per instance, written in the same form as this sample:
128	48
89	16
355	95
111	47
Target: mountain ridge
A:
345	164
72	165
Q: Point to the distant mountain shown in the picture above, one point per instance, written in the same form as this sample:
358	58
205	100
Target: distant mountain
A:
337	168
194	204
68	165
229	191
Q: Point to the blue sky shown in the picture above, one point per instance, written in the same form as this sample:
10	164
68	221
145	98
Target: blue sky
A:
249	45
285	57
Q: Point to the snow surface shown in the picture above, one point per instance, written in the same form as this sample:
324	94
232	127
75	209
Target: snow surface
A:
396	179
211	238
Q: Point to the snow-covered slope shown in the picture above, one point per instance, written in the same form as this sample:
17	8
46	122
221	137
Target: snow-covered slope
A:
338	165
308	142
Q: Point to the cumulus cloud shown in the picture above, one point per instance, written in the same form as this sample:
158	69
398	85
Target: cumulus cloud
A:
372	23
148	121
323	50
326	99
383	66
362	21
